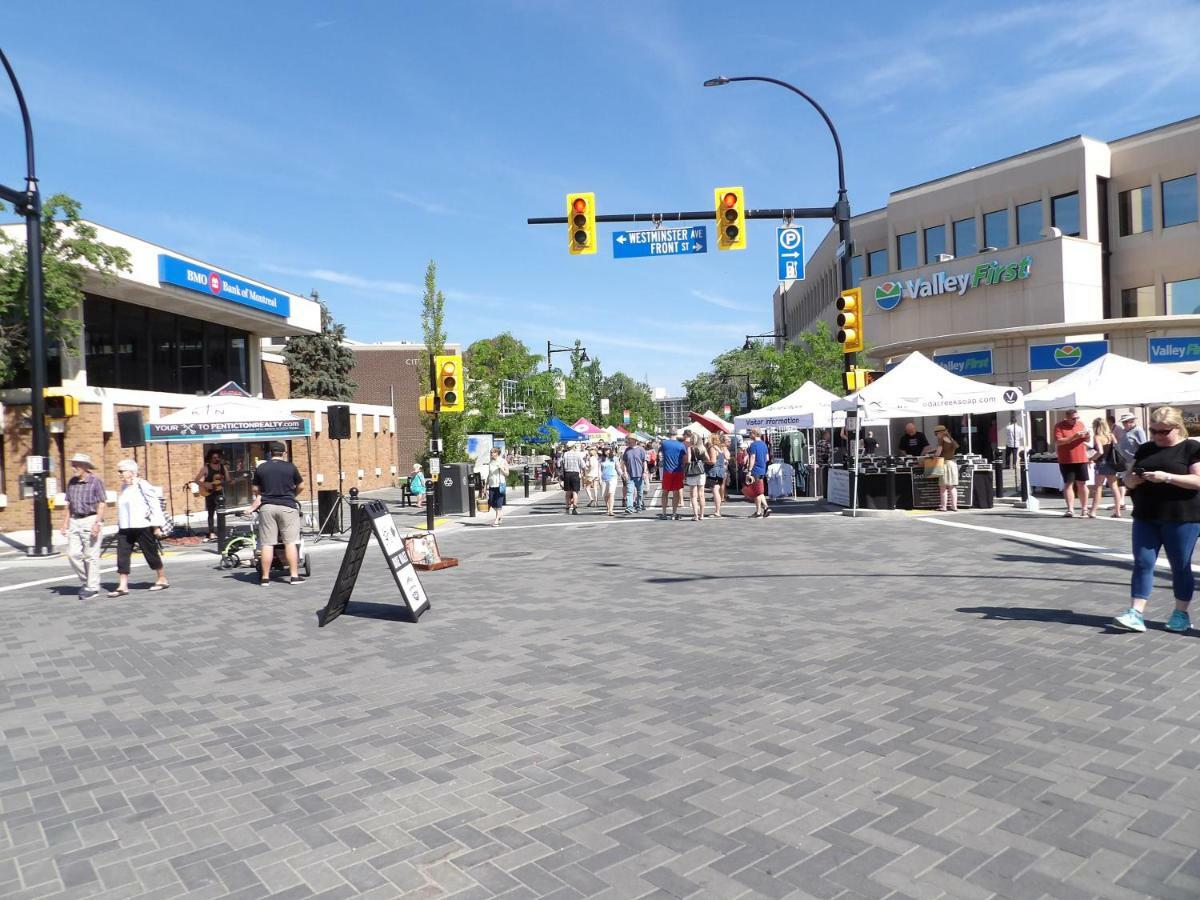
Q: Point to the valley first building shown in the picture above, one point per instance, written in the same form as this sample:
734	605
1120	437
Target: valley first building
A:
1023	269
155	338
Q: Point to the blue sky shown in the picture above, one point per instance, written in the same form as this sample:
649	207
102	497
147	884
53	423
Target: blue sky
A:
340	146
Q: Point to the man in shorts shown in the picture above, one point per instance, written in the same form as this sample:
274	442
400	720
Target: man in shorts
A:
275	485
758	454
1071	440
572	476
673	456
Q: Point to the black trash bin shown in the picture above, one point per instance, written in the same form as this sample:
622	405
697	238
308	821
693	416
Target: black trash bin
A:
456	489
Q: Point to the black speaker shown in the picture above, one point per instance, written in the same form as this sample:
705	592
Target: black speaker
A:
129	423
339	422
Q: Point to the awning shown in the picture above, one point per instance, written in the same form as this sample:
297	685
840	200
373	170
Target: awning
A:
229	420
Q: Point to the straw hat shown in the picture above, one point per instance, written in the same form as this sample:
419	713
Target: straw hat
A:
127	465
82	459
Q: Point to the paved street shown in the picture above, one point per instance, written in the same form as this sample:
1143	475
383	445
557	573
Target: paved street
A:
615	708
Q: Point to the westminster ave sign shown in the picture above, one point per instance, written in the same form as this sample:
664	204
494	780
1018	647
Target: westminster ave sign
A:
888	294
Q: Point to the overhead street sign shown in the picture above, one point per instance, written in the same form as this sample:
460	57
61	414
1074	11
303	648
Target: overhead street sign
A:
660	242
790	244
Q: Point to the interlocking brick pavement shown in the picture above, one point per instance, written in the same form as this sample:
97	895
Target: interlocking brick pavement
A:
623	709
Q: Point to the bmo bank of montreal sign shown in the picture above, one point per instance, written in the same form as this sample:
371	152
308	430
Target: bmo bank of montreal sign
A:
203	280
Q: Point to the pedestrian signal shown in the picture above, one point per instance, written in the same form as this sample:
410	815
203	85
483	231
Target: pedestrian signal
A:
849	320
731	218
449	382
425	403
581	224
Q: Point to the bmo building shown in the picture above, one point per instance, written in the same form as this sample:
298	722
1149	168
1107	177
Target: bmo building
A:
1023	269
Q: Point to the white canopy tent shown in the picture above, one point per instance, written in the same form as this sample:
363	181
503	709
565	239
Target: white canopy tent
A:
806	407
1114	380
920	387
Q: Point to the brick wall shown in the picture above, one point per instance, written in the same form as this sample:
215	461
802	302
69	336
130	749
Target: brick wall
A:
84	433
276	384
392	375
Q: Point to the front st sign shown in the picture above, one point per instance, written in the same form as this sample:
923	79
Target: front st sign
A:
660	242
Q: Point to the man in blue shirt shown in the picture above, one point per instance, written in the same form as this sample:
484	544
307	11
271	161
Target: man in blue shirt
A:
633	469
673	454
758	454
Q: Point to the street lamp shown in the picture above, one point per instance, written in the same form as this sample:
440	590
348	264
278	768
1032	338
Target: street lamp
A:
29	202
767	334
552	349
841	211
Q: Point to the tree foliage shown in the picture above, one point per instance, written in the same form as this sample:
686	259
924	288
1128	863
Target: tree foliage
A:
494	365
319	365
69	248
433	329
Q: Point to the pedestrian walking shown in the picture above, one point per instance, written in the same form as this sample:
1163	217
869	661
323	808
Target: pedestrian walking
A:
608	479
633	470
572	477
1071	440
672	458
591	475
945	447
718	469
758	454
140	521
695	474
1164	485
1104	457
275	484
83	523
416	485
497	485
1014	442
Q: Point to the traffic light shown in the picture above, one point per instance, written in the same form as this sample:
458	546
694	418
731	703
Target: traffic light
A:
450	387
61	406
581	224
849	320
855	380
425	402
731	218
871	376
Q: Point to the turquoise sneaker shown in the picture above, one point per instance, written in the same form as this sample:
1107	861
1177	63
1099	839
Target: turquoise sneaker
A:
1179	622
1130	620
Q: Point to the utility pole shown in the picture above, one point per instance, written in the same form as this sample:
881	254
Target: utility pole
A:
435	449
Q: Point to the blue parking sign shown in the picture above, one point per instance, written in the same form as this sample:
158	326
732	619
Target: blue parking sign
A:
790	245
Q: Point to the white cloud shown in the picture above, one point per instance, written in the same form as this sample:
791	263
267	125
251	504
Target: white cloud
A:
348	279
723	302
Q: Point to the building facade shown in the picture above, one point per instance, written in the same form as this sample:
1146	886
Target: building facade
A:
672	414
1020	270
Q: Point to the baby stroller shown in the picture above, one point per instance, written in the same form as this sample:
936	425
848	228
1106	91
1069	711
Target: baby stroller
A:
243	545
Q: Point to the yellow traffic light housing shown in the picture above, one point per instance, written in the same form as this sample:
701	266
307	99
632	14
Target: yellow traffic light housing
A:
581	224
731	218
60	406
450	386
849	320
425	403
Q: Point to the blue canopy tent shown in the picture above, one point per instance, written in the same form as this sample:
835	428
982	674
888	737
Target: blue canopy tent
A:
565	432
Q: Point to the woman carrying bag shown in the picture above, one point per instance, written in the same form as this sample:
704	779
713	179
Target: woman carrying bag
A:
497	485
694	477
942	451
140	520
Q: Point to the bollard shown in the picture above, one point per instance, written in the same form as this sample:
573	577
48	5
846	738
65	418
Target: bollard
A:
998	469
543	480
525	480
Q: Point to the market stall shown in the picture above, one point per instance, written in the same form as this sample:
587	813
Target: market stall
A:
1114	380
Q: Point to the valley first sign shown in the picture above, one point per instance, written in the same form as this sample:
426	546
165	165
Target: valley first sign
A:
888	294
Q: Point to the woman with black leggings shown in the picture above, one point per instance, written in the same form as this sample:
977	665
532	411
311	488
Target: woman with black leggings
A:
139	522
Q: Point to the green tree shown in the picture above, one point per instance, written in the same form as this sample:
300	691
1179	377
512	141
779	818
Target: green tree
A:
626	393
504	363
319	365
433	328
69	248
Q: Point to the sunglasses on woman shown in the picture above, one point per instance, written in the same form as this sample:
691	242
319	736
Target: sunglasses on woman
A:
1161	432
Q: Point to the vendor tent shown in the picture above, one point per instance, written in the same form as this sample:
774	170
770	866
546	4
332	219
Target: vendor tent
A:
806	407
565	432
920	387
711	421
1114	380
613	433
587	429
229	420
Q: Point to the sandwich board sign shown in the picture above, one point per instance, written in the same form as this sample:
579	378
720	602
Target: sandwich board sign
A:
371	518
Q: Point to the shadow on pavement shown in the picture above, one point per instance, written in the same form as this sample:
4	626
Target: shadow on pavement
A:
1057	616
384	612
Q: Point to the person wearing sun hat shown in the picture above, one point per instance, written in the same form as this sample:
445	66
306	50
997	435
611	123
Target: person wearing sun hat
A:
945	446
83	523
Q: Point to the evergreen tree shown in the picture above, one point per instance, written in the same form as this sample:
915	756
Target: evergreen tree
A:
319	364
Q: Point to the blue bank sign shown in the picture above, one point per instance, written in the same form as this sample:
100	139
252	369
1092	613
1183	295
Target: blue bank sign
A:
1174	349
203	280
1054	357
974	362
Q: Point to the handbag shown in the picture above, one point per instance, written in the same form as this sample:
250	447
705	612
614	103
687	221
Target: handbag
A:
695	463
935	466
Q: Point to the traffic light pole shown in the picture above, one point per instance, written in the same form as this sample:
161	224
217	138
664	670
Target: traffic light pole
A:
700	215
433	497
29	202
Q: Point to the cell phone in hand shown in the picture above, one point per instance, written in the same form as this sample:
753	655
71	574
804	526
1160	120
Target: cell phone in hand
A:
1139	471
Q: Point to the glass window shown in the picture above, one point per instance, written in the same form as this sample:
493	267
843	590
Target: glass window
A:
99	342
133	352
964	237
1029	222
906	250
1138	301
877	262
935	243
191	356
238	365
995	229
1179	201
1183	297
1064	213
856	270
164	352
1133	209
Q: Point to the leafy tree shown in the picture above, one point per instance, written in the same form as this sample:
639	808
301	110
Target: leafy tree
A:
625	393
319	364
433	328
490	363
69	248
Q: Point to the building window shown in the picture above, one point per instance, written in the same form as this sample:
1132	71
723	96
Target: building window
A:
1029	222
1183	297
906	250
1064	213
935	243
995	229
1138	301
964	237
877	262
856	270
1179	201
1134	210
